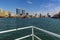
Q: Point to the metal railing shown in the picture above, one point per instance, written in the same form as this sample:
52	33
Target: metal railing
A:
32	34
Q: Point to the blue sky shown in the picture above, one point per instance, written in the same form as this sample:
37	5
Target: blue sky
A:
32	6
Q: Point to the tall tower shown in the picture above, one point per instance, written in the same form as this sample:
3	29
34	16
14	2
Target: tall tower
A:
18	11
23	12
1	11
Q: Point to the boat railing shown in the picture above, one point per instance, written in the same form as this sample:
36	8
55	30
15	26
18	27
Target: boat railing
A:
32	34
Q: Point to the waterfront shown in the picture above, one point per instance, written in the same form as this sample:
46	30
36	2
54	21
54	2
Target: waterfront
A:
49	24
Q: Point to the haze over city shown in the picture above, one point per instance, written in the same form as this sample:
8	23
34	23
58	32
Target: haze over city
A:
32	6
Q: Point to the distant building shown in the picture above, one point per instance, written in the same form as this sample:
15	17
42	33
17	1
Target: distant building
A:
4	13
26	15
7	14
14	15
1	11
35	15
40	15
30	16
23	12
18	11
56	15
48	15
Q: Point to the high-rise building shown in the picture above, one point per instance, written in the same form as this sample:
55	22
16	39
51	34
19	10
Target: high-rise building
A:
23	12
18	11
1	11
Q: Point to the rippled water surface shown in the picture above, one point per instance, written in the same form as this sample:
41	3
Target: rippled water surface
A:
49	24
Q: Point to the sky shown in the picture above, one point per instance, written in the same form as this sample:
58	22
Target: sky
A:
32	6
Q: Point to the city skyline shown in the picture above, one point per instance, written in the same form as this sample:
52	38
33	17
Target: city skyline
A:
31	6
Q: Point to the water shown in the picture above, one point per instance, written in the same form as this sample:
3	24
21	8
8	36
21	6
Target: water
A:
49	24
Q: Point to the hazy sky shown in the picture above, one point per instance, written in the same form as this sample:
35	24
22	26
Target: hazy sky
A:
32	6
